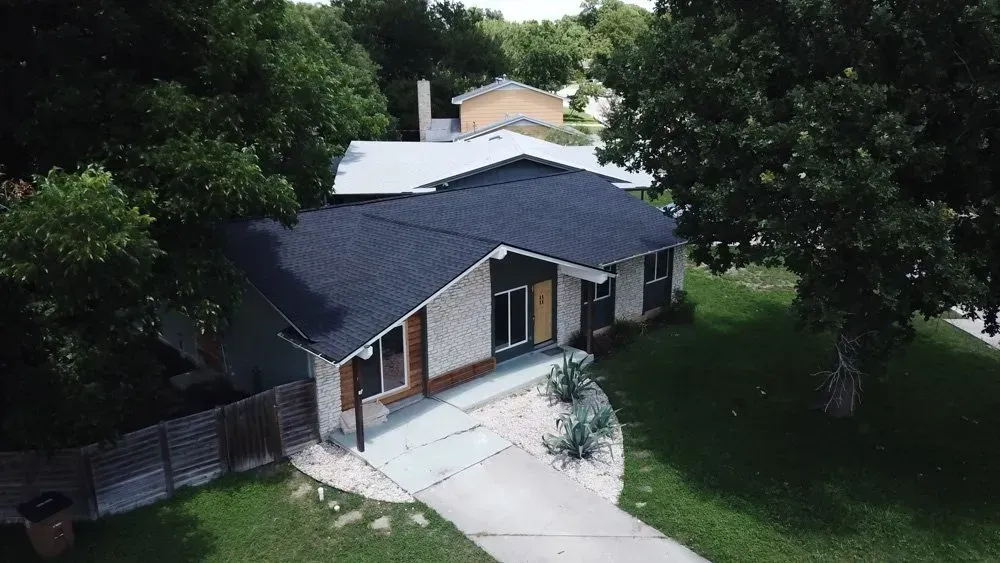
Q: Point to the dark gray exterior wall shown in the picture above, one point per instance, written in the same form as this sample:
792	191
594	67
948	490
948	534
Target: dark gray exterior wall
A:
519	170
514	271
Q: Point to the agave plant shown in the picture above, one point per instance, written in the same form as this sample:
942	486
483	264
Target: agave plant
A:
576	437
568	382
603	420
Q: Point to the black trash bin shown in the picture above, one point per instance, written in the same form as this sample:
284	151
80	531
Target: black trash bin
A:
49	523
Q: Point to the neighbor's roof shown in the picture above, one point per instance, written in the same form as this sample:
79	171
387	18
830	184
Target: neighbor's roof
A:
393	167
443	129
519	120
499	84
344	274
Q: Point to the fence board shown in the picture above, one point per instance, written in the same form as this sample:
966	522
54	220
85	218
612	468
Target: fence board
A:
132	472
252	432
129	475
193	443
297	420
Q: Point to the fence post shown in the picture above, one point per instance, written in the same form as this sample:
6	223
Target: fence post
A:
168	468
220	432
89	488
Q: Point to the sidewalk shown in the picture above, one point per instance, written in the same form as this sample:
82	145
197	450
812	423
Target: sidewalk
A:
511	504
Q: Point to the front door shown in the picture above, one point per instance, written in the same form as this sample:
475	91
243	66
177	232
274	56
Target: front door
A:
543	311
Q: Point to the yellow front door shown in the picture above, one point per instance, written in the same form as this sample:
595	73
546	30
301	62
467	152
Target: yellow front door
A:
543	311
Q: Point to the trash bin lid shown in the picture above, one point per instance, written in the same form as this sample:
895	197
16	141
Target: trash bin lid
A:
43	506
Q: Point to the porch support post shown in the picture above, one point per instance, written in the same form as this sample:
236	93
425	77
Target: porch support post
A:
359	415
592	291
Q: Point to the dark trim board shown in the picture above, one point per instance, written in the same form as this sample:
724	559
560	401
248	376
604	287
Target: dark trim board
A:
516	271
604	309
657	294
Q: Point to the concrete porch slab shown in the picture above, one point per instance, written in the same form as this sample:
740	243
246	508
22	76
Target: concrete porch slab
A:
406	429
420	468
508	378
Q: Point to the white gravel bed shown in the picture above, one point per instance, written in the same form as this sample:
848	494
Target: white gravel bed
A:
524	418
334	466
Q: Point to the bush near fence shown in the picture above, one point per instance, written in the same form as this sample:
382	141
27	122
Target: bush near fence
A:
148	465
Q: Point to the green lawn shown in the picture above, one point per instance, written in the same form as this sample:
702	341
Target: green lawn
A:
663	199
266	517
724	453
573	116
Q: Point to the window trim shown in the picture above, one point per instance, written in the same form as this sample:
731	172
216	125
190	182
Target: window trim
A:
596	285
656	262
381	366
526	335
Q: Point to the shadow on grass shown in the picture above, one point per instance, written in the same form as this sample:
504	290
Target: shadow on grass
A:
167	531
728	404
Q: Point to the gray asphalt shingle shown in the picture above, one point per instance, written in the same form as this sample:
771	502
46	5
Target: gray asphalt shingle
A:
343	274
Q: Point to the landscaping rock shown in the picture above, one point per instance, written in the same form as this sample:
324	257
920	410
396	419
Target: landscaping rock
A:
334	466
524	418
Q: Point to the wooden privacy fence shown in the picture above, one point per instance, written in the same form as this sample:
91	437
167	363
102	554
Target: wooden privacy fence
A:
147	465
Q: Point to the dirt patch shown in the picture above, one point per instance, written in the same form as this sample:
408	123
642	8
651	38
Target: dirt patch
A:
301	490
419	519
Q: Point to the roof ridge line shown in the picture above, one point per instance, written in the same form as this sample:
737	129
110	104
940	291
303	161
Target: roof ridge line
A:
431	229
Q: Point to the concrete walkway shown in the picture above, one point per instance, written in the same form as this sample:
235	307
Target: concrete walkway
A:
511	504
975	328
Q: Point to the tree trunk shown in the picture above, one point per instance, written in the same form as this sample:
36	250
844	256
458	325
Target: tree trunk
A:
841	398
841	385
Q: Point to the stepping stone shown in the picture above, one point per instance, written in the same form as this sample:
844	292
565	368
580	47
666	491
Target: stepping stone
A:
381	525
419	519
349	518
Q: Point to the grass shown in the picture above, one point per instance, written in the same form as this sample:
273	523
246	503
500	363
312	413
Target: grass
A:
572	116
271	516
725	452
661	200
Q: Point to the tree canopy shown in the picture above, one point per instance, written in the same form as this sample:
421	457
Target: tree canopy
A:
855	143
194	113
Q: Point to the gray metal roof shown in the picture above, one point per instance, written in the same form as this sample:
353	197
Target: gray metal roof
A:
498	84
442	130
343	274
393	167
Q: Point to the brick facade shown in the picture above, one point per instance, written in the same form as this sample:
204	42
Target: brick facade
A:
328	403
628	289
568	297
460	324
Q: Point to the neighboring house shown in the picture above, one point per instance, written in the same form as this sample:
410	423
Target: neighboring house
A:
383	168
504	103
399	298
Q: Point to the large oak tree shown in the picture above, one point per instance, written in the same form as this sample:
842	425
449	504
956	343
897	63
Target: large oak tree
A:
854	142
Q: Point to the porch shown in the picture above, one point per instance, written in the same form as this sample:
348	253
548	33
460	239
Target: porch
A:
509	377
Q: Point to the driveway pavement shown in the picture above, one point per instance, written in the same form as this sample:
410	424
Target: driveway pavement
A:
975	328
511	504
519	509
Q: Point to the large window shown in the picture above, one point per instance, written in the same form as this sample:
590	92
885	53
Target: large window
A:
657	266
510	318
385	371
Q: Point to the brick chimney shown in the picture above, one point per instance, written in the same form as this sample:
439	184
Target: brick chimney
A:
423	107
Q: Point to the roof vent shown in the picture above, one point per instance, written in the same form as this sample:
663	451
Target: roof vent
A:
500	78
495	138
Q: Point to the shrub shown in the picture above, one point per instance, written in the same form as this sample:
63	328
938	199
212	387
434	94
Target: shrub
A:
680	310
568	382
624	332
576	435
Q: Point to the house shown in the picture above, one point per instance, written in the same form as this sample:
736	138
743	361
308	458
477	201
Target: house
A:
502	104
385	168
395	299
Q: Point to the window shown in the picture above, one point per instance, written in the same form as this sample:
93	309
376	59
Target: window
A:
386	370
510	318
657	266
603	290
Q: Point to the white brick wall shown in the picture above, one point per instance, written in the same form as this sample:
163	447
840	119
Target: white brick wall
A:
459	323
628	289
567	307
327	396
678	275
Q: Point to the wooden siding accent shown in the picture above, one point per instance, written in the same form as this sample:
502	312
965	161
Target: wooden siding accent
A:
415	366
461	375
491	107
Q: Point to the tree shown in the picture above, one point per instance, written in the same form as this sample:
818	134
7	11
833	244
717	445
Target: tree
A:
545	54
75	268
855	143
411	40
203	111
613	25
586	90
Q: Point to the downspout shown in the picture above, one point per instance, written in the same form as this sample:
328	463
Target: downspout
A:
359	415
590	315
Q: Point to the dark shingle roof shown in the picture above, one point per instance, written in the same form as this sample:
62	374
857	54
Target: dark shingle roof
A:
343	274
